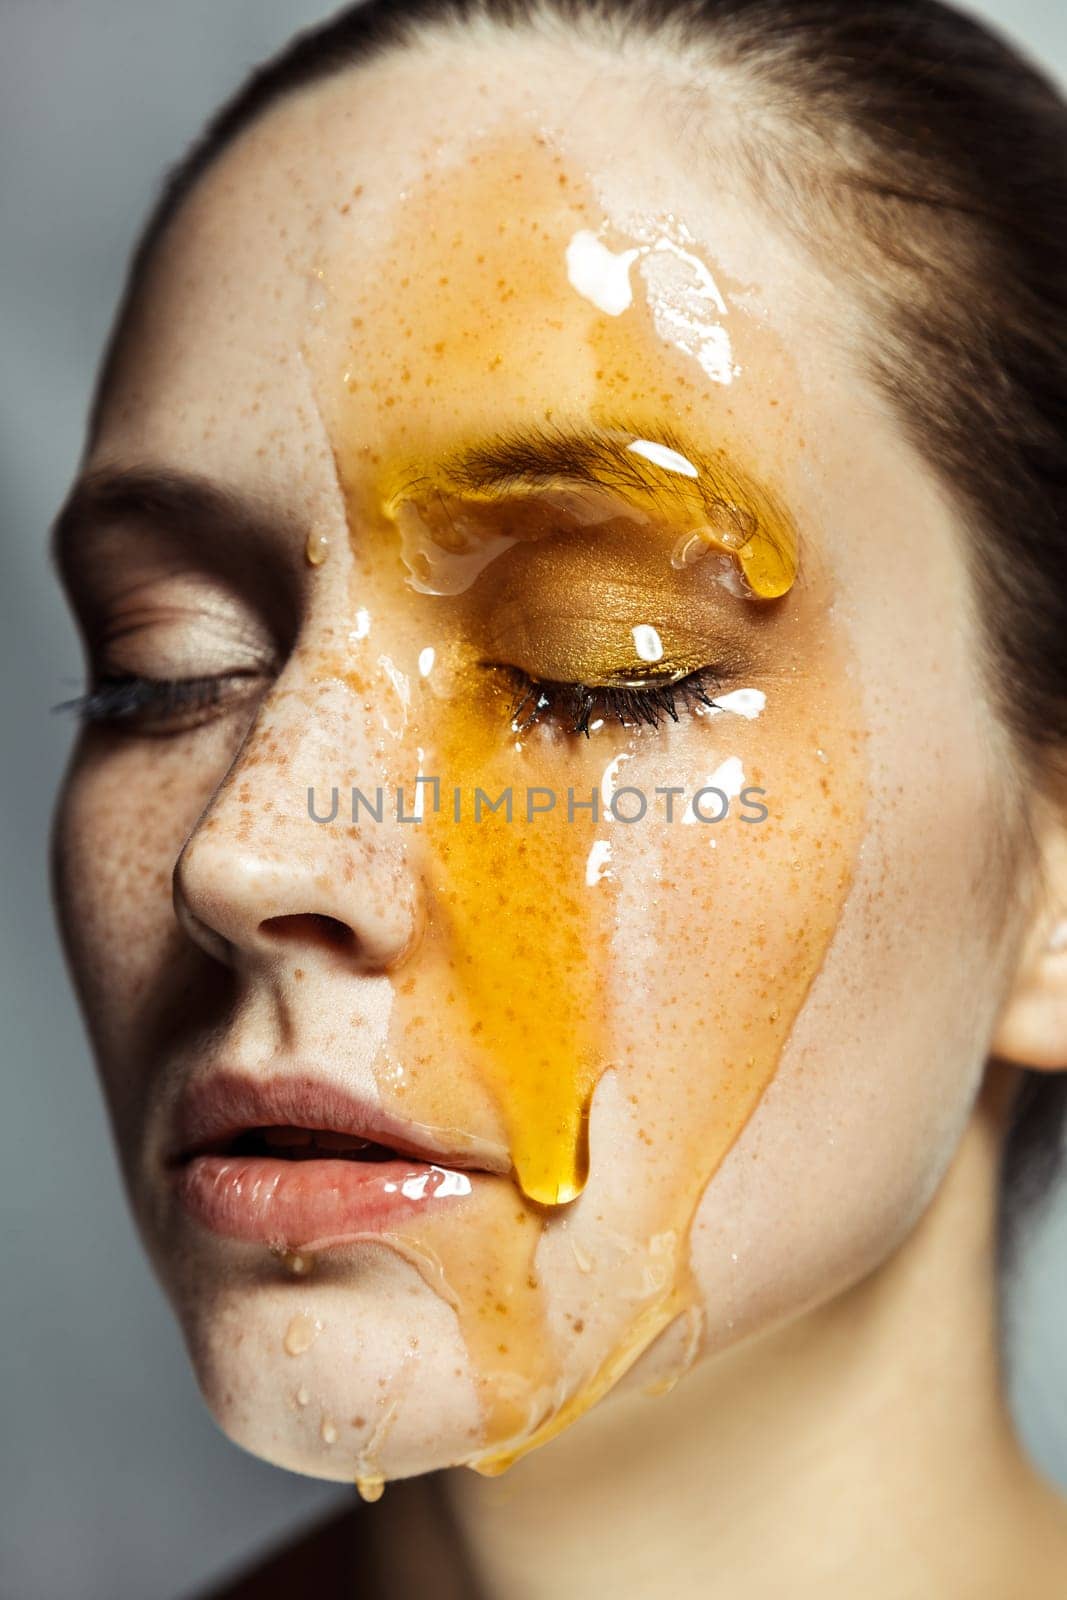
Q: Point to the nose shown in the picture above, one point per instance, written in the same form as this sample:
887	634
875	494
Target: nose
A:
250	902
259	880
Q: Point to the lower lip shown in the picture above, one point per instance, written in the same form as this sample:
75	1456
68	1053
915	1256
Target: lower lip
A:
304	1205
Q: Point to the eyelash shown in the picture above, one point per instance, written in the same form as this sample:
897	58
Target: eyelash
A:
573	705
125	698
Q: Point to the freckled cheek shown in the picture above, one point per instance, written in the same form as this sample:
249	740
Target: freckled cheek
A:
123	820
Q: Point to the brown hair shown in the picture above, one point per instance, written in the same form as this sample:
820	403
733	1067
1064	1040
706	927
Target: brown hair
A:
944	155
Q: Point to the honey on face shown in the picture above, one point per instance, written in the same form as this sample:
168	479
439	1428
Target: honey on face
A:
666	980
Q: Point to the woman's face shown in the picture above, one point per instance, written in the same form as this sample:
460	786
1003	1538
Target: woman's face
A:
474	424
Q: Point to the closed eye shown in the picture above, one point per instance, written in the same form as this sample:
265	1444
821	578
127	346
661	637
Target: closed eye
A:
158	705
580	707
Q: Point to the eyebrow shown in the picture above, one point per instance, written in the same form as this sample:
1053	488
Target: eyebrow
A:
168	498
601	456
668	470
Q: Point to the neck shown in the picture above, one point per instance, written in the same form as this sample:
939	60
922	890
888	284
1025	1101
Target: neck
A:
864	1448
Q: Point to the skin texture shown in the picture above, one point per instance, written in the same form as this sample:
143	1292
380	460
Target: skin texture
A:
333	307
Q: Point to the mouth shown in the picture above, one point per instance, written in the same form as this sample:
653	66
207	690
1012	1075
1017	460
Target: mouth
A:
299	1165
287	1142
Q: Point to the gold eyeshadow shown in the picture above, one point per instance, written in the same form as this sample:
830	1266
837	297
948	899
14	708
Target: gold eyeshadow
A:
582	624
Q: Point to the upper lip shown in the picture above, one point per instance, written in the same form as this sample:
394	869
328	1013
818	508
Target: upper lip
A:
216	1110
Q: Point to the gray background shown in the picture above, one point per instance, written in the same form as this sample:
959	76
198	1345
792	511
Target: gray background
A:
114	1482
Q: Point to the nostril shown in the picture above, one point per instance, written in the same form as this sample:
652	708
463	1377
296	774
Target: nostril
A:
312	926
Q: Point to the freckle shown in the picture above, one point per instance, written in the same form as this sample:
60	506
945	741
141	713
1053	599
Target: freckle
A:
359	1422
298	973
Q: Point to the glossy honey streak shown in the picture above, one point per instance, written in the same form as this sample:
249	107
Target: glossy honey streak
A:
520	962
519	932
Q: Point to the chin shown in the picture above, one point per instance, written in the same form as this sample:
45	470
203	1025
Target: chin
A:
355	1373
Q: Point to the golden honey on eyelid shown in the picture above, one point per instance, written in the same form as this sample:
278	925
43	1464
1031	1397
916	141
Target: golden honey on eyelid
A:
448	536
524	990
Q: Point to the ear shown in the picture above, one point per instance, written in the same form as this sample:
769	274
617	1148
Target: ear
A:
1032	1028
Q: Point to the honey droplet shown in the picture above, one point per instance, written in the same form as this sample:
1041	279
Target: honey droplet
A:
730	525
299	1265
317	547
328	1431
766	554
302	1396
371	1487
301	1334
689	549
581	1260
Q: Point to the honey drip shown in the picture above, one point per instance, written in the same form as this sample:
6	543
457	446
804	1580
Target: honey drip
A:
512	960
317	547
528	983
